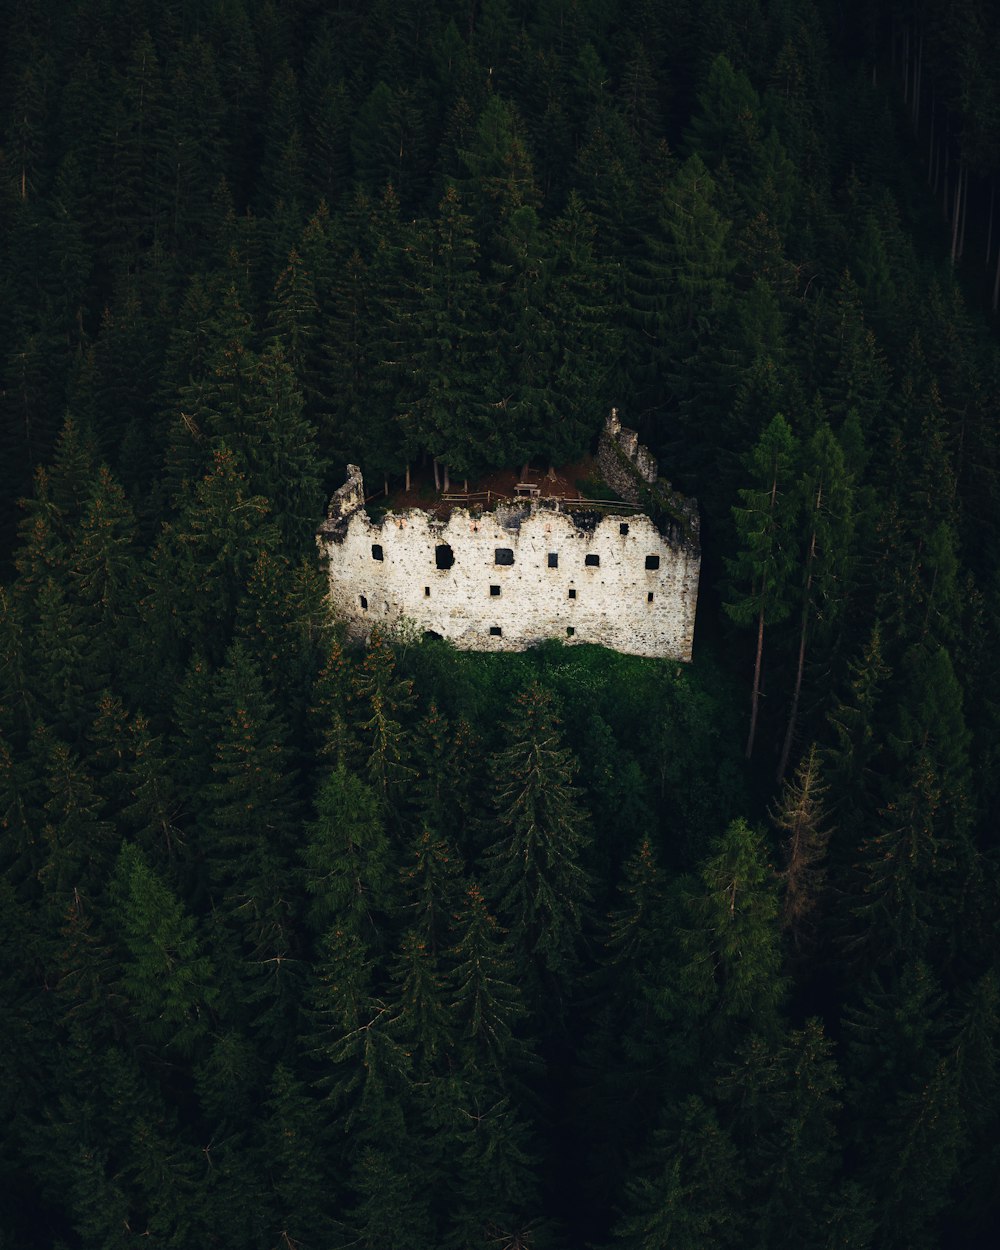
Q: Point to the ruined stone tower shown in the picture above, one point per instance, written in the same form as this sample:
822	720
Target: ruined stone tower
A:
505	579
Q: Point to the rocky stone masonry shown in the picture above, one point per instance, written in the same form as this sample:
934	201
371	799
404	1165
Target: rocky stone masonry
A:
625	464
507	579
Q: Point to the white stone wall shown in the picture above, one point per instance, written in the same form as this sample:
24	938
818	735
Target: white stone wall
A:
619	603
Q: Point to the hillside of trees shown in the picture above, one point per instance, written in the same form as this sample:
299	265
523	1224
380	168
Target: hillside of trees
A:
309	947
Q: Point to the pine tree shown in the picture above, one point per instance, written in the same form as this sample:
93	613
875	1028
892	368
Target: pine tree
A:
762	569
68	668
501	174
79	844
725	127
202	561
294	323
153	806
827	509
494	1194
731	936
292	1140
693	237
915	866
166	980
347	859
103	573
585	342
628	1062
329	707
487	1001
800	816
432	882
251	810
694	1196
279	449
440	371
533	868
383	699
424	1022
189	159
781	1105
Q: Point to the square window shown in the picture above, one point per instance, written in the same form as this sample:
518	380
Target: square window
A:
623	529
570	631
503	555
649	597
495	631
553	559
444	557
592	561
652	562
494	591
572	593
377	551
364	603
427	592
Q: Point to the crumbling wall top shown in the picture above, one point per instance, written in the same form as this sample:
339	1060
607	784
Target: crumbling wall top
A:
349	497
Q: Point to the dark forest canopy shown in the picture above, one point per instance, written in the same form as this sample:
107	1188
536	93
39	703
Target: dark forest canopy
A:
400	948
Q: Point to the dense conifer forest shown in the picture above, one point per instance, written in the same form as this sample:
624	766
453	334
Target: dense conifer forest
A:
308	947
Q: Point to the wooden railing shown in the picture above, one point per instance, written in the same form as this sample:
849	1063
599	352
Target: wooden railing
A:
489	497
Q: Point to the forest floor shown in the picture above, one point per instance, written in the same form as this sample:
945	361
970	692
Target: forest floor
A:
564	482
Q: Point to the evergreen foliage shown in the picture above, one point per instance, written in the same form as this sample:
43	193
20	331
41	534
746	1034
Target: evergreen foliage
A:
309	946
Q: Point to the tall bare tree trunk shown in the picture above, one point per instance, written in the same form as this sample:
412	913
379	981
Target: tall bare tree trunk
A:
945	198
793	713
447	480
437	475
906	65
955	217
755	697
996	283
407	477
931	149
965	212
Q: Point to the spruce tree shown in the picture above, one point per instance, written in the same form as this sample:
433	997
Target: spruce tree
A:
166	980
761	571
534	869
733	977
694	1192
800	816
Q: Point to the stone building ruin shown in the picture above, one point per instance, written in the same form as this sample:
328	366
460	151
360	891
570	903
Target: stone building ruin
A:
528	570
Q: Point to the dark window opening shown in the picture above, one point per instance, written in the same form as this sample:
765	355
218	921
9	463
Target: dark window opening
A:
427	592
623	529
503	555
377	551
572	593
553	559
592	561
570	631
364	602
652	562
649	597
444	557
494	591
496	631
